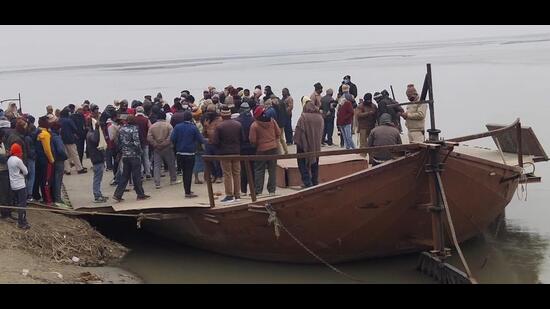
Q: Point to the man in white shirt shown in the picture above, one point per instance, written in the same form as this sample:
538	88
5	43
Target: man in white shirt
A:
18	171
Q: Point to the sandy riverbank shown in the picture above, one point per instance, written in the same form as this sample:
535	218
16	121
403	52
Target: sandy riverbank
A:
59	249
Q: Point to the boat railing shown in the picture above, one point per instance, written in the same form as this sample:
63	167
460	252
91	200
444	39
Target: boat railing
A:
516	125
246	159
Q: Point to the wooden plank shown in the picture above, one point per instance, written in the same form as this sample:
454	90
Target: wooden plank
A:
392	148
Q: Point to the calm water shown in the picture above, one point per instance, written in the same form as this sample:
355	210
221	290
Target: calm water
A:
475	82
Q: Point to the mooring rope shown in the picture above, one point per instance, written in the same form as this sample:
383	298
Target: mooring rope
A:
273	219
453	234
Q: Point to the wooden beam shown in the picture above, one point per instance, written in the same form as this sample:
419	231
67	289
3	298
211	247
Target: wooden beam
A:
393	148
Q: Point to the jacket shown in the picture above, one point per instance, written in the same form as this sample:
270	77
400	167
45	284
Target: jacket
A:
68	130
345	114
228	137
80	124
210	128
43	145
315	98
416	116
185	137
352	89
383	135
264	135
246	121
58	148
328	107
143	125
366	116
159	135
92	141
129	142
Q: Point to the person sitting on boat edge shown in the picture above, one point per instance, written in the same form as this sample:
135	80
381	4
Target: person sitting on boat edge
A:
228	137
307	137
185	137
384	134
415	116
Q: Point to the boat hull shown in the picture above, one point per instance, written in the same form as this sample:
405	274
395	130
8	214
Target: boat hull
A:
382	211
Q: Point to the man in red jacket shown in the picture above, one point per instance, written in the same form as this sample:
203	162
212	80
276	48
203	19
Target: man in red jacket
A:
344	120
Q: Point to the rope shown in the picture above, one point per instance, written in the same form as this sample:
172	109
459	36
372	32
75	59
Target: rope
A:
523	185
278	224
453	234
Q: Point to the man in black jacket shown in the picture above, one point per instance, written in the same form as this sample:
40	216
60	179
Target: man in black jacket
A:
97	156
352	87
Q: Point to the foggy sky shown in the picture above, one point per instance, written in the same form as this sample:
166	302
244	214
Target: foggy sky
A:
64	45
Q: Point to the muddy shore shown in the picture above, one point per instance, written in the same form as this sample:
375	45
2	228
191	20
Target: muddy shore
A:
59	249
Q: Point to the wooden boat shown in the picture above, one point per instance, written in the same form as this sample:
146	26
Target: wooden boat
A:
374	212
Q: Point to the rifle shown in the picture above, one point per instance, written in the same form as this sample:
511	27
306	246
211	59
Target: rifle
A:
392	94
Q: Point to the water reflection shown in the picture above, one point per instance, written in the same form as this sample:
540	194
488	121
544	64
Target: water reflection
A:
513	256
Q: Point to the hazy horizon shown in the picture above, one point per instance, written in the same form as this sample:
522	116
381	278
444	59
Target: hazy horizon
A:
47	45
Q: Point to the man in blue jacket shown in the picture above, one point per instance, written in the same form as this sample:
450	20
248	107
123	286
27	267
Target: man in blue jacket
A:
69	136
185	137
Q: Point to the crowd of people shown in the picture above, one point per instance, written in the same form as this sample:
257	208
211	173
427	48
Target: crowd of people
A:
144	139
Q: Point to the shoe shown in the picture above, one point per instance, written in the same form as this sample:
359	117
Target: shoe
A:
180	173
100	200
30	200
126	190
228	199
143	197
198	182
108	169
236	199
192	195
118	199
271	193
323	144
243	193
82	171
62	205
113	183
157	186
162	175
67	173
149	177
24	226
175	182
219	180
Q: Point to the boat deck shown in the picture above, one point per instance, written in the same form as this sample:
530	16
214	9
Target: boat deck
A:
79	191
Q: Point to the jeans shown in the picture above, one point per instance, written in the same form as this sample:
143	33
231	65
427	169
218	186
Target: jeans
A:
80	147
288	131
31	167
166	155
131	167
244	176
145	160
57	181
187	162
216	169
259	172
310	174
348	139
98	177
328	130
109	158
21	201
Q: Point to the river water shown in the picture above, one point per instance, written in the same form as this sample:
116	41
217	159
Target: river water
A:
475	82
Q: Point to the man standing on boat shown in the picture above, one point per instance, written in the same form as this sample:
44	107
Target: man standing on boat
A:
415	116
130	147
316	95
264	134
228	137
185	137
158	137
384	134
287	104
328	111
366	119
307	137
352	87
